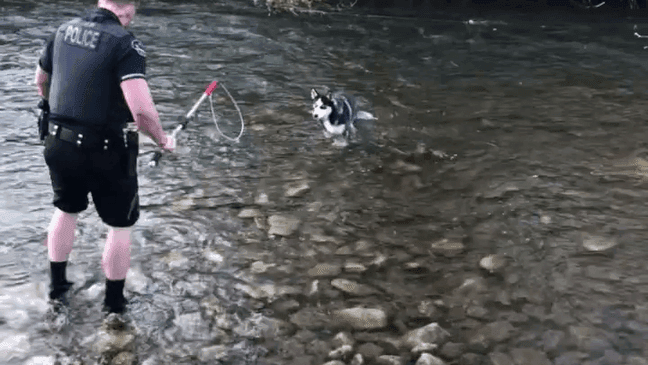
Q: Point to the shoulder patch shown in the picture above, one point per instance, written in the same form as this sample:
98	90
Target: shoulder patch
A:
138	47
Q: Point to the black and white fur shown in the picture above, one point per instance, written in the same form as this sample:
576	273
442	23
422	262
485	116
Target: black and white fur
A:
338	114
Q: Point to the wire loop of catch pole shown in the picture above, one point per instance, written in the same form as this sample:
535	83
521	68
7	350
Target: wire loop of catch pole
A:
211	104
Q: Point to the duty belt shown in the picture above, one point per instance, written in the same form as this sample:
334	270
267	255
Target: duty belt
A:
83	140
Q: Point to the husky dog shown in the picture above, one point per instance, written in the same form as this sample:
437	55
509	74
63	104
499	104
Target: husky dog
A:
338	114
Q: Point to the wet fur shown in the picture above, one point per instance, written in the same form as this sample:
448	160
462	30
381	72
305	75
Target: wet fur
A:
338	114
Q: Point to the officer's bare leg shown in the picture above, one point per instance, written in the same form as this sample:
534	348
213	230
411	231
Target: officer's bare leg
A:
60	237
115	263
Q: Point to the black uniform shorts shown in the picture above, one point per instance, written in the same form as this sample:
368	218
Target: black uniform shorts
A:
75	172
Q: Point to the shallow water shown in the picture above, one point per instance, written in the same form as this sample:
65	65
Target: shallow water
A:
532	119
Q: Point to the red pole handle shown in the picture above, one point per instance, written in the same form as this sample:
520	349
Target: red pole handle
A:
211	88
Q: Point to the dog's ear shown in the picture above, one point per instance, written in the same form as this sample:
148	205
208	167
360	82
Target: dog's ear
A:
329	95
314	94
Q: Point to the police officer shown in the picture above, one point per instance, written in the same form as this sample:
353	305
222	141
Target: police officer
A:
92	73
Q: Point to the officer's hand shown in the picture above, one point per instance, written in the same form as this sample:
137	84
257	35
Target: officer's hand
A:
170	143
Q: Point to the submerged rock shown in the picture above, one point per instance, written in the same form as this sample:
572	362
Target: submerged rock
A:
595	243
352	287
250	213
361	318
427	337
493	263
324	270
427	359
282	225
447	247
297	189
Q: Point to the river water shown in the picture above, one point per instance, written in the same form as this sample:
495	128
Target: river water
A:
516	135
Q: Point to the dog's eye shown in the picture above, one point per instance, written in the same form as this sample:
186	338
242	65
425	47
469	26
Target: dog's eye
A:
323	107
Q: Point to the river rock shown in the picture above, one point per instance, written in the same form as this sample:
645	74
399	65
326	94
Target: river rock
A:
213	353
250	213
401	167
41	360
357	360
432	334
112	341
636	360
427	359
282	225
334	362
124	358
447	247
309	318
342	339
341	352
389	360
324	270
354	267
193	326
352	287
297	189
370	350
594	243
493	263
499	358
528	356
452	350
361	318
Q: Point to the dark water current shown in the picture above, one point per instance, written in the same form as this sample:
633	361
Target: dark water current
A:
515	135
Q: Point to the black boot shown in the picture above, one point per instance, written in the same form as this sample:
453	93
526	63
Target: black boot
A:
115	301
59	285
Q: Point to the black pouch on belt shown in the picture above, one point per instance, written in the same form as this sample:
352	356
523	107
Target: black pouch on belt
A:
132	151
43	119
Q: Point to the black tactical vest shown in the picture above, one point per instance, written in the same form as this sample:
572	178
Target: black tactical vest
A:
84	86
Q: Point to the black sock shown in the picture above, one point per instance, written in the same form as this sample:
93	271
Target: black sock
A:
59	284
115	300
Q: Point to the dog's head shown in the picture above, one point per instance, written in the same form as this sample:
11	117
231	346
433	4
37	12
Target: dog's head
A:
322	105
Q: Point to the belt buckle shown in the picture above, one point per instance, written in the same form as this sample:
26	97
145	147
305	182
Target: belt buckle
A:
79	139
106	141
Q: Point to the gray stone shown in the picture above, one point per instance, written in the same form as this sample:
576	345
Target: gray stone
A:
357	360
430	334
361	318
309	318
447	247
636	360
493	263
354	267
213	353
334	362
124	358
370	350
570	358
324	270
476	311
351	287
342	339
453	350
297	189
499	331
341	352
498	358
193	326
282	225
470	359
553	340
427	359
250	213
595	243
528	356
41	360
389	360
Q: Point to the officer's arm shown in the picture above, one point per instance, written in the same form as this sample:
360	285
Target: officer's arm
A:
140	102
42	82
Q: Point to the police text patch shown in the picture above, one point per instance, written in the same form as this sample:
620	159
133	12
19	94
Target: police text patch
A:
83	37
